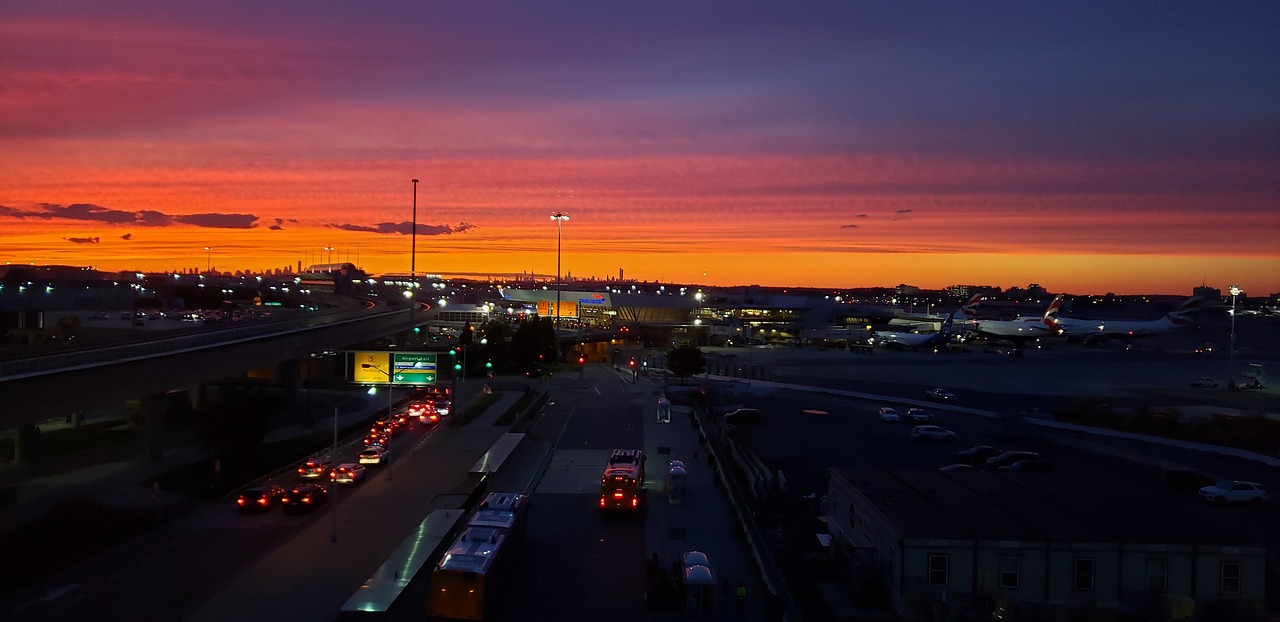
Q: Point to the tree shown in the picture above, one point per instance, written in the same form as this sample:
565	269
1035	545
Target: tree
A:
534	342
686	360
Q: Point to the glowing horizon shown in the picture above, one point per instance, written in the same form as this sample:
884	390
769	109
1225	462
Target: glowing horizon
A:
798	146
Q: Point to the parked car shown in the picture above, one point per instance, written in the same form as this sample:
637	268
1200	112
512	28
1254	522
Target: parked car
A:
932	433
1009	457
373	454
1033	465
1234	491
938	394
260	498
347	473
305	498
957	467
978	454
889	415
743	415
314	467
1204	383
919	415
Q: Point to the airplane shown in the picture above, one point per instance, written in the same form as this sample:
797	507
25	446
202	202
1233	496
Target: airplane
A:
914	341
1018	330
1094	330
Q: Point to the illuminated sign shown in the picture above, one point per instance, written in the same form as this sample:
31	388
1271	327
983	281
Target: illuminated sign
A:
371	367
593	299
394	367
567	308
414	367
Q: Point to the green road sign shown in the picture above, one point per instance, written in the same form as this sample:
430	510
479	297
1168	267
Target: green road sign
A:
413	367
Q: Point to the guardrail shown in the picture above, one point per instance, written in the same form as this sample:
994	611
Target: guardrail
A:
770	572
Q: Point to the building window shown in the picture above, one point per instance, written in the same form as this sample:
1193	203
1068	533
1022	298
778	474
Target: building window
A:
1083	573
1009	570
1157	576
937	571
1230	578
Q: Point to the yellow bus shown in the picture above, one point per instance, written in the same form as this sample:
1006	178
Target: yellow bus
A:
465	581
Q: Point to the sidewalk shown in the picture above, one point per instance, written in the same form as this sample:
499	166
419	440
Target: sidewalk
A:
701	519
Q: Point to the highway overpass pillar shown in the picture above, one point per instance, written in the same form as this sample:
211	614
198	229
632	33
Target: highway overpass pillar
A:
26	444
153	409
287	376
196	396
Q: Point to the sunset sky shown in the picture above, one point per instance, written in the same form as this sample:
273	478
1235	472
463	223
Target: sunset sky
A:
1128	147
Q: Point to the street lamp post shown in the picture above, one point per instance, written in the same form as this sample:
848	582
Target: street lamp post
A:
560	218
333	453
1231	352
329	261
413	262
208	259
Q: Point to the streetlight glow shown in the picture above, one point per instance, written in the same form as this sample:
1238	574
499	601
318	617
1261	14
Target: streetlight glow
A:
1231	351
560	218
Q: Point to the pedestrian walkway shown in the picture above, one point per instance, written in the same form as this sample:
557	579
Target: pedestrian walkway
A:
694	517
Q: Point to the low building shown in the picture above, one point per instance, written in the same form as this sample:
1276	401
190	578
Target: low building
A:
961	541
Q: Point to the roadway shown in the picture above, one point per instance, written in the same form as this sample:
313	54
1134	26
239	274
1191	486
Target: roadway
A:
35	388
586	565
167	573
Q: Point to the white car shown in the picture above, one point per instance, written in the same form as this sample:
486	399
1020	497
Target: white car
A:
373	454
889	415
919	415
932	433
347	473
1234	491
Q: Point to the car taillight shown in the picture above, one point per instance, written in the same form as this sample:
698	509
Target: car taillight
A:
240	501
306	499
617	495
635	501
601	501
284	499
263	501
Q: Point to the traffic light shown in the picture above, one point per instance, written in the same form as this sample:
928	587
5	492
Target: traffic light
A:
581	359
632	362
457	366
488	364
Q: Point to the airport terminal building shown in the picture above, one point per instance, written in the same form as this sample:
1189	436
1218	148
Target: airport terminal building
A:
701	316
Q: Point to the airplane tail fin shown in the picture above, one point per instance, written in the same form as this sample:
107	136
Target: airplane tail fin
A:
1051	314
970	309
1182	314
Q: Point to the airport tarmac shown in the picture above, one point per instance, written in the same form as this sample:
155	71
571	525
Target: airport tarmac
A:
1159	364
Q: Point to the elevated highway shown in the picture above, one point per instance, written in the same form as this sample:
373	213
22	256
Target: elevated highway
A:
37	388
